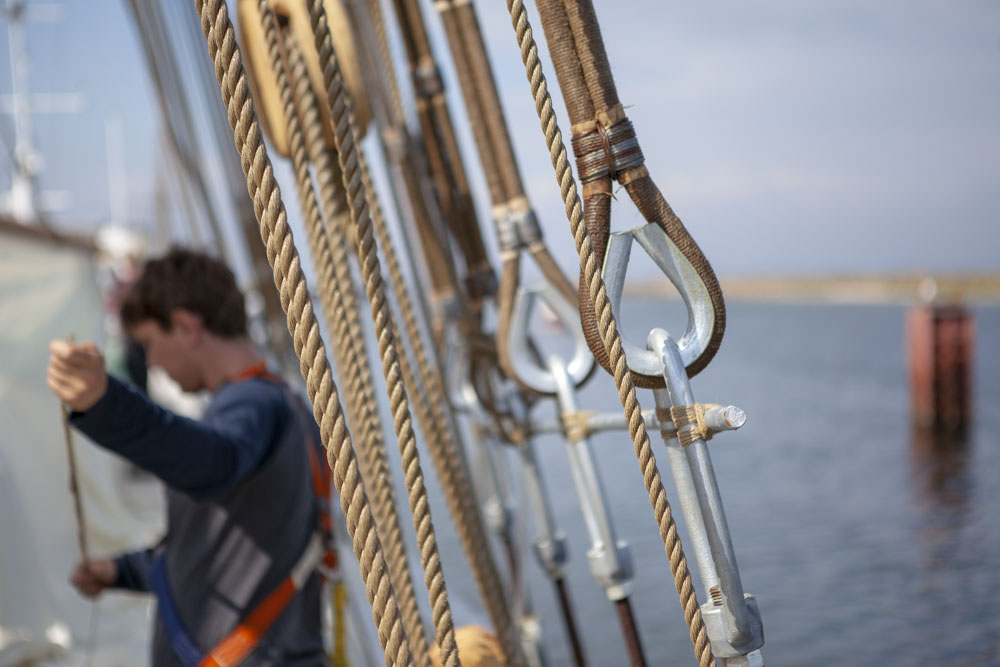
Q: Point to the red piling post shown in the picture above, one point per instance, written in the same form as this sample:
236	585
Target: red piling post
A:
941	350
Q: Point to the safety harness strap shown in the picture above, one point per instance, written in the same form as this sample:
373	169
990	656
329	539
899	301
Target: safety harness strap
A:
241	641
177	636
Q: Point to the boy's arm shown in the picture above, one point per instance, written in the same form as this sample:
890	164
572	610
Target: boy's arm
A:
134	570
203	459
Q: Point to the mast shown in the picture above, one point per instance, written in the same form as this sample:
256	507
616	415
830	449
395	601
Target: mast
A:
22	202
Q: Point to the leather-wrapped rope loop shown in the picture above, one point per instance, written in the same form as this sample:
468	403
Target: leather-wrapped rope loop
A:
569	67
606	151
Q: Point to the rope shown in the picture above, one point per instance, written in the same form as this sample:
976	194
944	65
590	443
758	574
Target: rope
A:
399	150
367	249
341	309
607	148
352	358
609	332
430	404
445	452
74	488
444	157
81	526
301	321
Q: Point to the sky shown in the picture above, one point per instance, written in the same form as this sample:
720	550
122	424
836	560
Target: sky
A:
828	137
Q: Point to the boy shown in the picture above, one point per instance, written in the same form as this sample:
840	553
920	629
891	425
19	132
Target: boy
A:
241	504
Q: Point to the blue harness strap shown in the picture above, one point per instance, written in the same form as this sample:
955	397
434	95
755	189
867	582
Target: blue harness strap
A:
178	638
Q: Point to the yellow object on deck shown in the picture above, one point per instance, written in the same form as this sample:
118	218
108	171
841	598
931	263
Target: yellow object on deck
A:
339	657
477	647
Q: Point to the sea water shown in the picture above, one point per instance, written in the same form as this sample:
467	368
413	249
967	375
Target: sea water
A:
864	542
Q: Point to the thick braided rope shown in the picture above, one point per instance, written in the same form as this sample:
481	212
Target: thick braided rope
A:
353	359
454	478
341	309
430	408
302	324
455	481
367	250
610	335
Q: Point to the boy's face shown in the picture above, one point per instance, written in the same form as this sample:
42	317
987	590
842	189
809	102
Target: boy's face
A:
170	350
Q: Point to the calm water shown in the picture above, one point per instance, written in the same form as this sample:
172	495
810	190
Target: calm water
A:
862	545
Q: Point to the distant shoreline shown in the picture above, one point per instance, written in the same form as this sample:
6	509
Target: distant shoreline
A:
977	289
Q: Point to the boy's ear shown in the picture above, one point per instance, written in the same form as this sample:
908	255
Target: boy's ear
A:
186	323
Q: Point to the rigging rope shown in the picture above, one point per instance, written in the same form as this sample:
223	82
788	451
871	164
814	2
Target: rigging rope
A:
443	154
429	404
606	148
400	151
74	488
610	337
290	281
517	228
340	306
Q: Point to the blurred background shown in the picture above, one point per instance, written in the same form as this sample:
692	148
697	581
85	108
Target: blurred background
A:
837	162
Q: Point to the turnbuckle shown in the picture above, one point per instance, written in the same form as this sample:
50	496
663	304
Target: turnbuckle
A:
732	619
609	558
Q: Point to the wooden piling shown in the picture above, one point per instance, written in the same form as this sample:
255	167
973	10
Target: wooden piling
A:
941	342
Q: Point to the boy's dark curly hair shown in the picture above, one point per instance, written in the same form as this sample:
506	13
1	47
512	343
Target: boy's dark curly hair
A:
190	280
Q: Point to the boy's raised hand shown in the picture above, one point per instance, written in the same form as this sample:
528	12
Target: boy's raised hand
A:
76	374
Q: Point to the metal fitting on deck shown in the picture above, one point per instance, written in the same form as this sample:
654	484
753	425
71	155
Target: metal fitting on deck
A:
552	553
612	568
719	624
